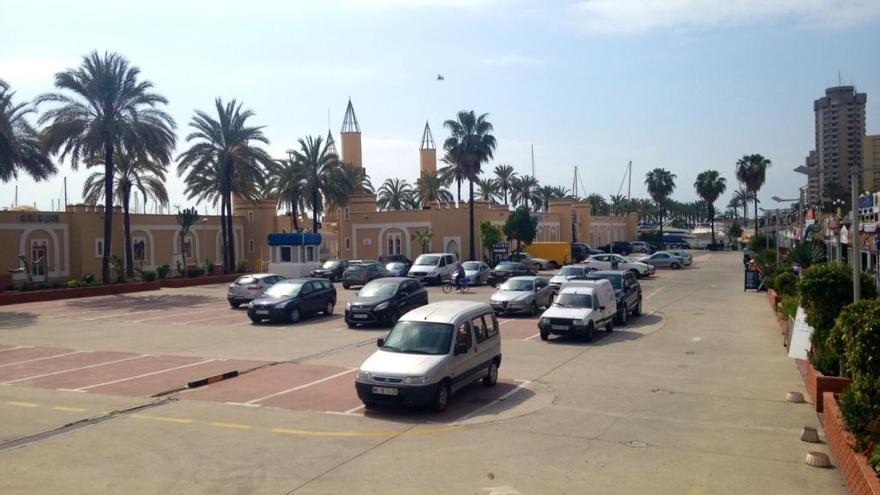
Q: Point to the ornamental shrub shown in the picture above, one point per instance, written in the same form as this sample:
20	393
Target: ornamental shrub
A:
789	305
786	283
825	289
860	408
162	271
148	275
73	284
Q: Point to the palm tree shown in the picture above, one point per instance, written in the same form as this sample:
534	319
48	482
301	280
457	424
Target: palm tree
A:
20	147
225	149
470	144
751	170
132	174
107	109
504	175
598	204
423	237
286	183
488	189
186	219
522	191
452	172
545	194
395	194
430	189
661	183
322	167
354	179
709	186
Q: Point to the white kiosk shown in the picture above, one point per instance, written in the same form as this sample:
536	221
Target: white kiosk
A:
294	254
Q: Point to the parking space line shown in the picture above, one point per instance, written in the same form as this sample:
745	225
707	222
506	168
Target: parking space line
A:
21	404
354	409
299	387
143	375
234	426
652	294
164	419
522	384
43	358
114	315
533	337
17	347
203	319
175	315
69	409
59	372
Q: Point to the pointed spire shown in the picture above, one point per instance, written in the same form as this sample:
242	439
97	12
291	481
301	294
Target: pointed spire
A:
427	139
331	143
350	122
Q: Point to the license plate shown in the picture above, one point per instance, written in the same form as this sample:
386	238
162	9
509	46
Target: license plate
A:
262	311
384	391
359	316
559	327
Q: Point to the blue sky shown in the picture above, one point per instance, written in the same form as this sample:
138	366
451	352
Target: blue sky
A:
686	84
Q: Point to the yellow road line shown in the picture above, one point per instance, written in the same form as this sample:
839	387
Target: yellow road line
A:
69	409
22	404
235	426
164	419
649	296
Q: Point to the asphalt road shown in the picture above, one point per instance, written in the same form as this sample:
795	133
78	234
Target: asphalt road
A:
687	399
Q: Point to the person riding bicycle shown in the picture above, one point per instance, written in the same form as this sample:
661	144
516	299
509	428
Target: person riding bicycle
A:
458	277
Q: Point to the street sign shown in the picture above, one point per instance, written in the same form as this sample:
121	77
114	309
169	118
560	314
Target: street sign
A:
500	248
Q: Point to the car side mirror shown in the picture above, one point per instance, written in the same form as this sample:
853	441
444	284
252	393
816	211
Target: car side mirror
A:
356	293
380	342
461	349
404	293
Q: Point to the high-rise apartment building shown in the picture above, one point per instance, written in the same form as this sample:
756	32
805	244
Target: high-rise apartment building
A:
813	193
840	130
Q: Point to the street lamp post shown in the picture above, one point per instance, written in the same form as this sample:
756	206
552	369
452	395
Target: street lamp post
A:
857	241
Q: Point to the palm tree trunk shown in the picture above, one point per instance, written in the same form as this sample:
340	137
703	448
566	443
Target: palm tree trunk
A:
315	208
126	220
293	214
108	212
223	250
660	213
712	223
458	203
230	233
183	252
472	253
756	212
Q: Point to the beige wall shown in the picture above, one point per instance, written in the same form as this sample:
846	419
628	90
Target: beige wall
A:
351	148
871	162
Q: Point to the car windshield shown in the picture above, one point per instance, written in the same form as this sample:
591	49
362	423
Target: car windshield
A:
356	268
284	289
506	266
419	337
378	289
572	271
616	280
518	285
246	280
425	260
471	265
331	264
572	300
396	265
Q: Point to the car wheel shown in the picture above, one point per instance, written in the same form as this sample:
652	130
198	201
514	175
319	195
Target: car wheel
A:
533	309
589	335
491	377
635	273
554	265
394	317
234	305
294	315
441	398
610	326
624	315
545	335
328	309
346	286
676	266
638	310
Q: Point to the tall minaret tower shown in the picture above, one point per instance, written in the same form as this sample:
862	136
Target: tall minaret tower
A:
331	143
350	138
427	151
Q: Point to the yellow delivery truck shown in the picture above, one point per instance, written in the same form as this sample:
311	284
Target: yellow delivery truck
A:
557	253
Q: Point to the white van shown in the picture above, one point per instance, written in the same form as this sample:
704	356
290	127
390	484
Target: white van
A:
581	307
434	268
432	352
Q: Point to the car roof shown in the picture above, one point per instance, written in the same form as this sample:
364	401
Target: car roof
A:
607	272
578	290
530	278
300	280
586	283
385	280
445	311
260	275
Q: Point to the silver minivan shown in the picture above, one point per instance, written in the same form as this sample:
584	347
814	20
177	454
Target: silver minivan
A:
431	353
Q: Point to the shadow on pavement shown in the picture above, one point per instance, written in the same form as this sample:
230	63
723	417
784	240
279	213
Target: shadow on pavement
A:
140	303
16	319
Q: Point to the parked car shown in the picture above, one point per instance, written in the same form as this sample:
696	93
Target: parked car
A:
331	269
398	268
620	247
535	264
570	272
433	268
431	353
361	273
581	251
384	300
246	288
662	259
618	262
686	258
677	241
291	299
394	258
522	295
476	271
581	307
559	253
653	246
627	292
640	247
507	269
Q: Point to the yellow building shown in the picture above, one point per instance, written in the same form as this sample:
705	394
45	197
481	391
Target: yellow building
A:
871	162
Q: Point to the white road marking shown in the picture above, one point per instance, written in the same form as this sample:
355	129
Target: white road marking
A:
533	337
522	384
300	387
175	315
354	409
17	347
696	339
658	289
43	358
114	315
144	375
96	365
201	320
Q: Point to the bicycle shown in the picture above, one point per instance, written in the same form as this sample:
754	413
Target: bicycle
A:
451	285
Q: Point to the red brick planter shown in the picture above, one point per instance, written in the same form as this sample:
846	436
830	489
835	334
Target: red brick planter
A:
56	294
818	384
860	478
774	299
192	282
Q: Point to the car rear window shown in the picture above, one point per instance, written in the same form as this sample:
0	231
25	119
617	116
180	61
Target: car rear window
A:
246	280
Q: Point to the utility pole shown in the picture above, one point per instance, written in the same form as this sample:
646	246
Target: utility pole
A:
16	196
65	192
533	160
630	183
856	243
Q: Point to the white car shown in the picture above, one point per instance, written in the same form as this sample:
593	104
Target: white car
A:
618	262
433	268
536	264
687	259
246	288
581	307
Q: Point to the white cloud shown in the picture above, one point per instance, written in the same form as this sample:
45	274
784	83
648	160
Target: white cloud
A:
637	16
17	71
